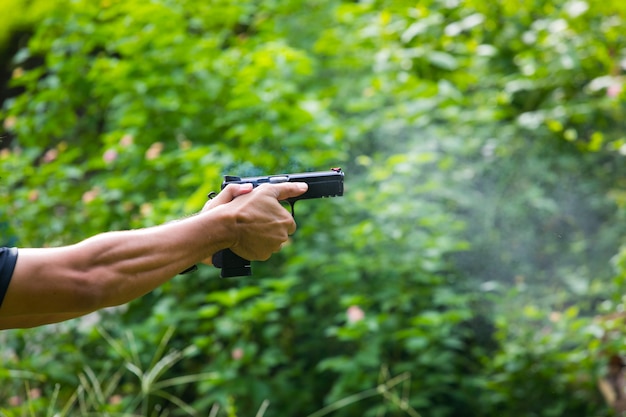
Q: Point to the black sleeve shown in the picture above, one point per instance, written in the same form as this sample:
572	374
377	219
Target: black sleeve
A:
8	259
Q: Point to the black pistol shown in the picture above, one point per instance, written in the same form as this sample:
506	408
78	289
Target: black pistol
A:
321	184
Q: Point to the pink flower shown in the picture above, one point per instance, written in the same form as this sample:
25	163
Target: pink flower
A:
90	195
146	209
115	399
614	90
355	314
50	155
154	151
555	316
10	122
126	140
237	354
109	156
34	393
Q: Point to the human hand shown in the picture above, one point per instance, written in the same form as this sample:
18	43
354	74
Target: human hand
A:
263	225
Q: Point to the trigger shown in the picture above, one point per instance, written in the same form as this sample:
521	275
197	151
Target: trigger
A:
293	209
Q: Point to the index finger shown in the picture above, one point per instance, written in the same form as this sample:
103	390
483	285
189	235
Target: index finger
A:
227	194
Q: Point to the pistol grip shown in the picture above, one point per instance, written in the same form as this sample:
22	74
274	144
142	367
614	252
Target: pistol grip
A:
232	265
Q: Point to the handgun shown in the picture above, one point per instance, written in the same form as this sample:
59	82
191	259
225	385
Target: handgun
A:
321	184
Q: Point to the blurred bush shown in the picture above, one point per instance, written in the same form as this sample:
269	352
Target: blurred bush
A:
483	148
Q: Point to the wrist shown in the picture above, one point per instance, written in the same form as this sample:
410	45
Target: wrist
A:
220	227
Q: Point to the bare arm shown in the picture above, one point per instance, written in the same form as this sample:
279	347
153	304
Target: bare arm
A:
54	284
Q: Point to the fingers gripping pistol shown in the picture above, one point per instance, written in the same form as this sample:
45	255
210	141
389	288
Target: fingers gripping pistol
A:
321	184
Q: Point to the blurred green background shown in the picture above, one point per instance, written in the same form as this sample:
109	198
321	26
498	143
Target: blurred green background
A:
474	267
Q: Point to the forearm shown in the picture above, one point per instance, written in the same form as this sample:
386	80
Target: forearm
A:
131	263
111	268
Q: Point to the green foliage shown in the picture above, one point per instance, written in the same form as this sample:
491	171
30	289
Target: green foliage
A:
547	361
21	15
483	147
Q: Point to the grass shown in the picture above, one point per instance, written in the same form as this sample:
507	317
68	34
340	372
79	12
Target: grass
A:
100	395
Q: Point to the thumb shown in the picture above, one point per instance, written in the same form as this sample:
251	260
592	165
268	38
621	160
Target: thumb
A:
289	189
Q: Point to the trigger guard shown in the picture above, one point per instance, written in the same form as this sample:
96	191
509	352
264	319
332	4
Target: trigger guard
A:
292	205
